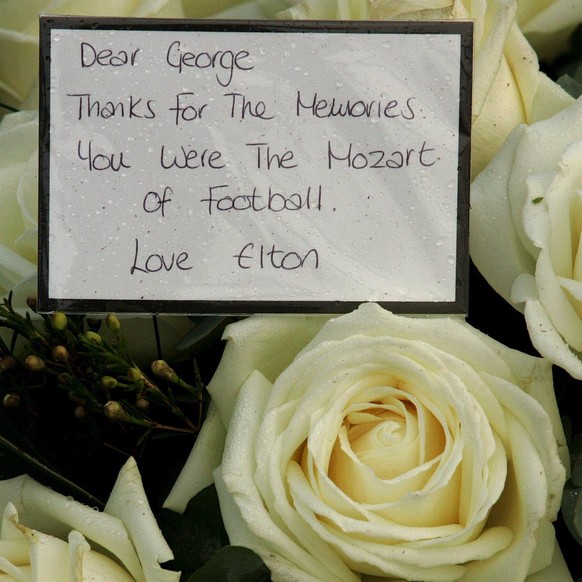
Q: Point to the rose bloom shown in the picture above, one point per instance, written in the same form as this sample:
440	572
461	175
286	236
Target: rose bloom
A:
526	226
378	445
18	198
47	537
19	36
548	24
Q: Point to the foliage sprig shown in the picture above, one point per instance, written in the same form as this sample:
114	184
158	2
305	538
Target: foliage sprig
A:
78	371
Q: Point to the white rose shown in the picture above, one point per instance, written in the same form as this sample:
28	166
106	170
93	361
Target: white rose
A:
379	445
19	36
18	197
548	24
47	537
508	87
526	214
223	9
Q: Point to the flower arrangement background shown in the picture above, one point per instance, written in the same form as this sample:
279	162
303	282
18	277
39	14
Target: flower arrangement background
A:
83	398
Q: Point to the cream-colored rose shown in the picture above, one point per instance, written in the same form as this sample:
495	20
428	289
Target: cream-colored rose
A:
223	9
378	445
548	24
19	36
508	87
18	198
526	232
47	537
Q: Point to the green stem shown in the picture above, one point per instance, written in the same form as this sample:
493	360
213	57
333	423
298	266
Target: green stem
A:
68	485
9	107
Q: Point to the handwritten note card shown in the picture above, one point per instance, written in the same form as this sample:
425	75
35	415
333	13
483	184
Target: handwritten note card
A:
234	167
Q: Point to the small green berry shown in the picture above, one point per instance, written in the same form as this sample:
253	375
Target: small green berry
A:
60	354
114	410
59	321
11	400
64	378
135	375
94	337
108	382
162	370
112	322
34	363
142	404
80	412
7	363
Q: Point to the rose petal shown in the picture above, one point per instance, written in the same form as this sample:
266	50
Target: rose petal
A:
548	341
49	557
242	10
257	529
266	343
378	557
18	174
13	269
544	142
17	48
549	99
318	9
15	551
205	456
524	518
557	305
128	502
54	514
85	564
560	202
557	571
213	8
18	573
492	230
548	25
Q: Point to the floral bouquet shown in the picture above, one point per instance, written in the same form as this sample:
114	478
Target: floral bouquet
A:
367	446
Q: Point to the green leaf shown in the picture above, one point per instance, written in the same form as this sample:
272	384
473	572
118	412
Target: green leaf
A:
570	85
197	534
233	564
206	328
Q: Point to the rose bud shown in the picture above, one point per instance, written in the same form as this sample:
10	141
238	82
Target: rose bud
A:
7	363
34	363
108	382
114	410
59	321
11	400
162	370
112	322
60	354
94	337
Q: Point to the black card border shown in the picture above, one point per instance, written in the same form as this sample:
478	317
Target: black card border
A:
47	304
